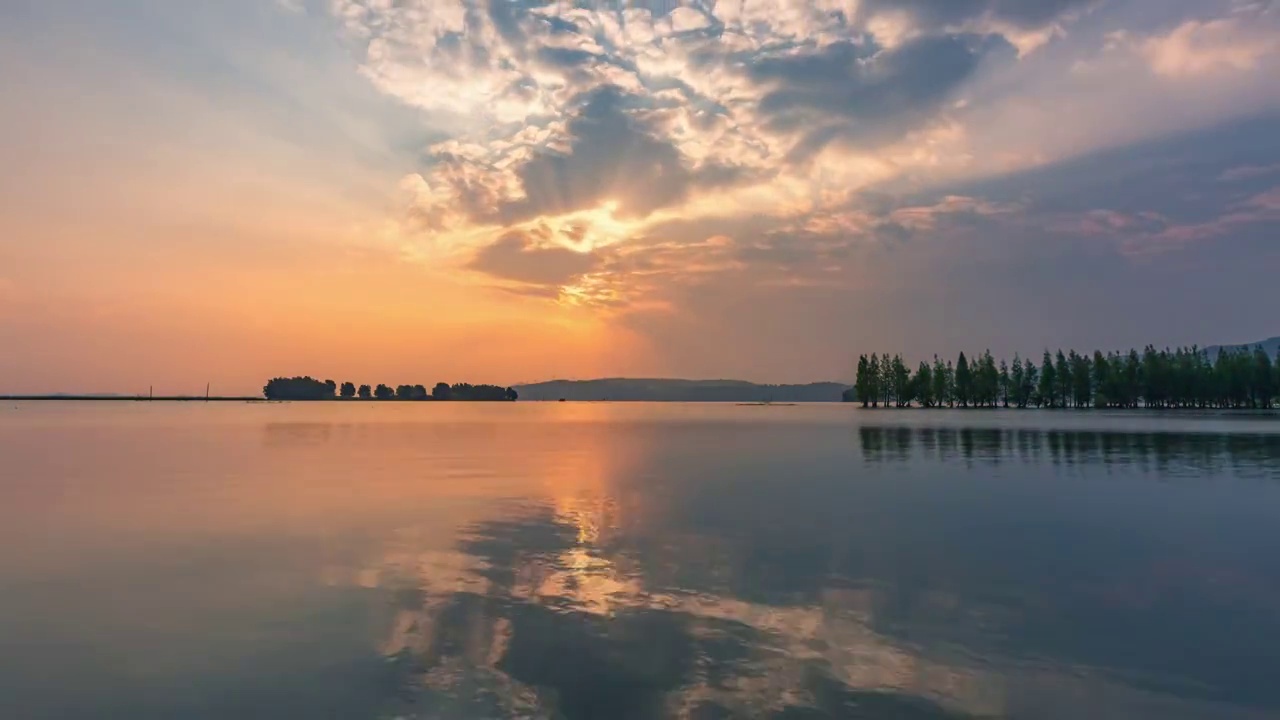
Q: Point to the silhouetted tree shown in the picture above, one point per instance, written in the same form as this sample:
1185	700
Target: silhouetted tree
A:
1017	378
862	381
1245	378
348	390
366	392
873	380
1006	383
1047	390
986	380
941	383
901	382
384	393
924	389
1031	383
442	391
1062	373
963	382
886	378
297	388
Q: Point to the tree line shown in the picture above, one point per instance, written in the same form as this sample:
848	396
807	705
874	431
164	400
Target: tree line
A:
308	388
1165	379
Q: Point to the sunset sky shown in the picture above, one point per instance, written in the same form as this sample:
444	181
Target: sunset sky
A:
513	190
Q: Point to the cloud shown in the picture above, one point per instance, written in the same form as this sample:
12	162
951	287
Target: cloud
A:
1248	172
851	92
1198	48
518	257
611	156
628	157
938	14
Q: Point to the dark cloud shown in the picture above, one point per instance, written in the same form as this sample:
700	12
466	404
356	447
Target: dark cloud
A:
613	155
848	92
514	256
942	13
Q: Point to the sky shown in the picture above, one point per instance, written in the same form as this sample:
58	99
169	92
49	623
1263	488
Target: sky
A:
509	191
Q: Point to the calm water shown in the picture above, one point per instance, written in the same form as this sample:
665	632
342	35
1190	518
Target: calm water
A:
634	561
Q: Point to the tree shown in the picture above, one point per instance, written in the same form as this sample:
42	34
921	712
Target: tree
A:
1048	390
873	380
964	381
365	392
1031	383
442	391
941	383
418	392
297	388
862	382
949	384
384	393
1062	372
924	390
1016	377
1101	372
986	380
886	378
1081	379
348	390
512	395
330	389
404	392
901	382
1006	383
1263	379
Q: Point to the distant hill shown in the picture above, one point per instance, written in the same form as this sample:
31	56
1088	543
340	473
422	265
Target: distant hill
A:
1270	345
663	390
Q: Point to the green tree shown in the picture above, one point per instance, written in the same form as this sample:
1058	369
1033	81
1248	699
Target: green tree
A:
1006	384
1101	375
941	383
1030	383
924	386
1062	372
1048	389
862	383
873	380
987	380
1081	379
886	378
1016	377
901	382
1263	379
964	381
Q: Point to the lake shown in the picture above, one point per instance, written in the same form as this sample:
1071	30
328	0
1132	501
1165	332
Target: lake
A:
570	560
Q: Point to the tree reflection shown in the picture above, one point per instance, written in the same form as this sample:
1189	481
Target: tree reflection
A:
1171	454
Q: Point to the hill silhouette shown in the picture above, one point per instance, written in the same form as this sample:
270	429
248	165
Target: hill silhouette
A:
1271	346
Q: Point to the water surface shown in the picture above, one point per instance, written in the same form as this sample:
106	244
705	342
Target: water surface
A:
634	561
